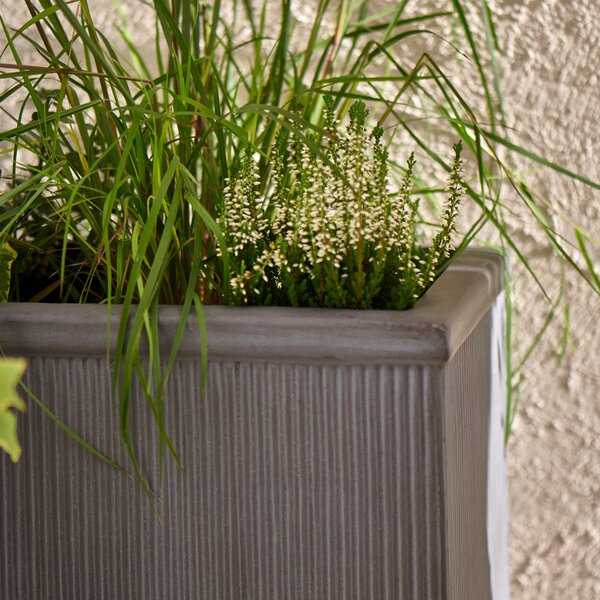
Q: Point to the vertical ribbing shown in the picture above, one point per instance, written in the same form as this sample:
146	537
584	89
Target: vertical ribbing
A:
299	481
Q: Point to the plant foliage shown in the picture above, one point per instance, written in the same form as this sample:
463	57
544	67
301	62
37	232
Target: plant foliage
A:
11	371
327	231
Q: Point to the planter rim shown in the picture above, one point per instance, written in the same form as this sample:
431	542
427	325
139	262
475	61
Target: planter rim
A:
431	332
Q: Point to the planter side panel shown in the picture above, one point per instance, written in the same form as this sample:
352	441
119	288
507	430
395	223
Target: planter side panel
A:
300	481
474	465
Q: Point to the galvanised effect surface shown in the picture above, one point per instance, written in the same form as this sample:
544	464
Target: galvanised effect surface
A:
331	478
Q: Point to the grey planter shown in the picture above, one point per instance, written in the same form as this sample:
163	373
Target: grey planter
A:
338	455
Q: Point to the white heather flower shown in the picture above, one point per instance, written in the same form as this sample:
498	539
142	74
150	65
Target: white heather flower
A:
242	219
327	220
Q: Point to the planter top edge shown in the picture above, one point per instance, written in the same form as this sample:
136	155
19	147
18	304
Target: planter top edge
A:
431	332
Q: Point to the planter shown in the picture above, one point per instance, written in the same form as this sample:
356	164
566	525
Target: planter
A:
338	455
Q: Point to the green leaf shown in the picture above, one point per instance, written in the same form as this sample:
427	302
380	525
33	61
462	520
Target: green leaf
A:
7	257
11	371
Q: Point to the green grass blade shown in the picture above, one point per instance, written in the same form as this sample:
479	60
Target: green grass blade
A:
71	433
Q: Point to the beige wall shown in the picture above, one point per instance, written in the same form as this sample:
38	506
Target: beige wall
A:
550	69
553	94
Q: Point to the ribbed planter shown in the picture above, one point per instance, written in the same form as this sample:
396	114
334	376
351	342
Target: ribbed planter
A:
337	455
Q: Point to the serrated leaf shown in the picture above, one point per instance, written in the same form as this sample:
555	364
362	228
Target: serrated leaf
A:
7	257
11	371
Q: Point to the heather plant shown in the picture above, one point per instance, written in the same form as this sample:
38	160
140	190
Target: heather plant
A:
328	231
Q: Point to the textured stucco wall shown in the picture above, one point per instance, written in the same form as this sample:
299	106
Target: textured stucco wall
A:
550	65
553	91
